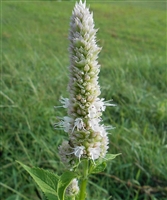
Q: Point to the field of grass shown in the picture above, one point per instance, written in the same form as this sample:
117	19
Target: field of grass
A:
133	74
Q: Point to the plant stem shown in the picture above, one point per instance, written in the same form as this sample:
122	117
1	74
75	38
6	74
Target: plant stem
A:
73	198
84	180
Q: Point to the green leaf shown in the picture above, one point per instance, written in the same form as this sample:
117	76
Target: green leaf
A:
111	156
100	164
64	181
108	157
99	168
46	180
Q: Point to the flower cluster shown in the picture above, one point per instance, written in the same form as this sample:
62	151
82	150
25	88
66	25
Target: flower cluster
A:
73	188
87	136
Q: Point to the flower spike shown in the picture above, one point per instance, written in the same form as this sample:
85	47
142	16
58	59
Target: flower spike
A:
88	137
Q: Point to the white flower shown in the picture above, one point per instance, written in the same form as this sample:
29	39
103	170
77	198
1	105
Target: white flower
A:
65	123
102	131
107	103
94	152
92	111
79	124
78	151
73	188
100	104
65	102
104	146
94	124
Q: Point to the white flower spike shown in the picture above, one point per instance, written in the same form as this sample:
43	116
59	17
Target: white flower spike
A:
88	137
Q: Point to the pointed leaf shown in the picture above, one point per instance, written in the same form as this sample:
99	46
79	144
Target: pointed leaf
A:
100	164
106	158
46	180
111	156
63	183
99	168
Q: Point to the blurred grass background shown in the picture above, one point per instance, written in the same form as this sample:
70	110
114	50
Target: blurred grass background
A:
34	75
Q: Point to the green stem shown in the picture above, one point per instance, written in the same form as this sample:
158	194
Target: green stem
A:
84	181
73	198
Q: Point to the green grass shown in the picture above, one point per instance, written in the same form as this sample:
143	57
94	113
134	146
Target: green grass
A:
133	74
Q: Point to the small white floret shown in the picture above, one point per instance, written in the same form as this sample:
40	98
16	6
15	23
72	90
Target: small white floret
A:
79	124
94	152
78	151
65	102
94	124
